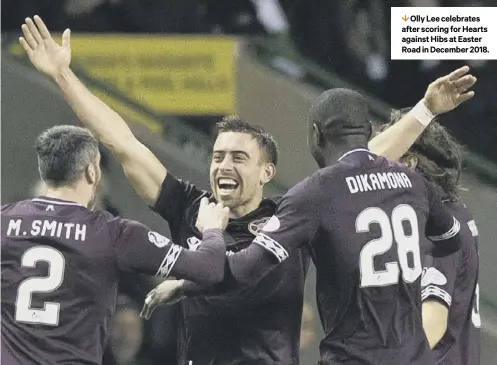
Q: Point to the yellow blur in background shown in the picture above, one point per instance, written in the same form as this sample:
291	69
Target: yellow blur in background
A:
181	75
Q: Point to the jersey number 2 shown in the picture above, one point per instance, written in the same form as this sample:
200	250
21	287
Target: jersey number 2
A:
49	315
391	228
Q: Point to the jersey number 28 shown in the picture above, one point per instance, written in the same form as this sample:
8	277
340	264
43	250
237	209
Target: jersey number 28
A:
49	315
391	229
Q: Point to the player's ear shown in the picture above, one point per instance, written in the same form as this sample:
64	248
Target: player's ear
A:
268	173
317	135
91	173
410	160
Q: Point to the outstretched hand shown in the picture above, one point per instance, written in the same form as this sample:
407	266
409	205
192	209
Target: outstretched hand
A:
45	54
168	292
448	92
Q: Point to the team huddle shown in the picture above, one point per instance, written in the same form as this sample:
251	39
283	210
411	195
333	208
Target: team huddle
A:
395	249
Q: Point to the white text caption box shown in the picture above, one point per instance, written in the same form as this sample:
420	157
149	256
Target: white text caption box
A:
452	33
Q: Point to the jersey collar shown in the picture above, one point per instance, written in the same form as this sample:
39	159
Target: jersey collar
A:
354	151
44	199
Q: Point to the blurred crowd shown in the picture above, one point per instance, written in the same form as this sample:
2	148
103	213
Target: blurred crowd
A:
352	39
149	16
348	37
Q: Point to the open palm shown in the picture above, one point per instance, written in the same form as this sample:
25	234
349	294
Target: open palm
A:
46	55
448	92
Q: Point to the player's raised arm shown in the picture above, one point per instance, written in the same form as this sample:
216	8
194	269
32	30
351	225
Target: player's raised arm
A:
142	168
442	95
141	250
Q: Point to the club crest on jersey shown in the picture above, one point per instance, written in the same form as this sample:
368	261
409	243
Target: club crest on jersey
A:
157	239
256	225
193	243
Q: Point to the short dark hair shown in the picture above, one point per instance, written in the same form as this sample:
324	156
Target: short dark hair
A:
265	140
439	154
341	113
63	153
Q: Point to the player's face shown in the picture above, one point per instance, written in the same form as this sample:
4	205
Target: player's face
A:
237	169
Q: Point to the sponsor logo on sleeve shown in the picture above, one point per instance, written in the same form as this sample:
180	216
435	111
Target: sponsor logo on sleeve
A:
432	276
193	243
272	225
473	228
158	239
257	225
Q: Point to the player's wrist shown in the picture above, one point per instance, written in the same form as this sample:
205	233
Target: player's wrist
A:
422	113
212	231
182	289
62	74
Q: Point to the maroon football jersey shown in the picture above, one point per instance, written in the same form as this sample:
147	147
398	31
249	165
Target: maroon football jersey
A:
60	264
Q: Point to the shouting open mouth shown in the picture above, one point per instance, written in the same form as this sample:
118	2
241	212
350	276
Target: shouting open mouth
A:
227	185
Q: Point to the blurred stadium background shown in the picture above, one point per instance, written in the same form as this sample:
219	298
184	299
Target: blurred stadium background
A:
173	68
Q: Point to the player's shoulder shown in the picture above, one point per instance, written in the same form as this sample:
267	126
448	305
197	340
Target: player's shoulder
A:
111	225
469	234
9	207
462	213
306	188
175	193
272	200
102	222
105	218
18	208
459	209
309	194
173	184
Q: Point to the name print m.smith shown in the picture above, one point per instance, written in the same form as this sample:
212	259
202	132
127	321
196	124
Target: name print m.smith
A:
48	228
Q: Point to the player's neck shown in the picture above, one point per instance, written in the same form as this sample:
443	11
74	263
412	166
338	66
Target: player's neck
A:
338	151
247	208
71	194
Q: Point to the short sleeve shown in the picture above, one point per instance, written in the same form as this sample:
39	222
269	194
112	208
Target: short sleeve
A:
442	228
439	277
